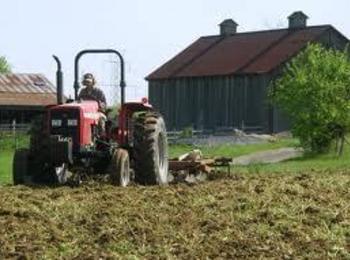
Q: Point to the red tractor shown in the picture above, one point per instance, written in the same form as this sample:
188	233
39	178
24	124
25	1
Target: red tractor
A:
68	142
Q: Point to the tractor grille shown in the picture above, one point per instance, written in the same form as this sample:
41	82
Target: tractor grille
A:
66	123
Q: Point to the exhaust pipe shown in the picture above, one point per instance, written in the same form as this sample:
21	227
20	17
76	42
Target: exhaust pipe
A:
59	81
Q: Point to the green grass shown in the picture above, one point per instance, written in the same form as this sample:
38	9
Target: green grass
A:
6	166
8	142
323	162
8	145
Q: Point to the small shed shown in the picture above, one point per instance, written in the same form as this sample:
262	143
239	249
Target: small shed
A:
221	81
23	96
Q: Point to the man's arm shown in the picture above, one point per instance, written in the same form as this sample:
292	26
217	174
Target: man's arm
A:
102	100
81	94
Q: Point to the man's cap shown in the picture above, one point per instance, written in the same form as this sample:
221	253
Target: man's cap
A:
88	76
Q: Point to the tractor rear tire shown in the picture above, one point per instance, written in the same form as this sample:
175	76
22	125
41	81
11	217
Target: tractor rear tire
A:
119	170
150	149
38	145
20	167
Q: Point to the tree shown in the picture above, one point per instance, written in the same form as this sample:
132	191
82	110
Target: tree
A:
314	90
5	67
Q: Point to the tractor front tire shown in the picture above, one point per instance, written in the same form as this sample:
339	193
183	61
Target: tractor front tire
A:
150	149
119	169
20	167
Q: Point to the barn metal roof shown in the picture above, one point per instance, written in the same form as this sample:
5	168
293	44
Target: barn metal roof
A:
250	52
26	90
185	57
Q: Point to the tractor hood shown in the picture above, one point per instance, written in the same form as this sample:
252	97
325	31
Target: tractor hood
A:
85	106
88	109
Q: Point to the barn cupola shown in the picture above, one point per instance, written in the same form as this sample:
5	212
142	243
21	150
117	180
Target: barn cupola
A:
228	27
297	20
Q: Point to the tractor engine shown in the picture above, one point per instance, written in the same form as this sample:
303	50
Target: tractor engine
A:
73	129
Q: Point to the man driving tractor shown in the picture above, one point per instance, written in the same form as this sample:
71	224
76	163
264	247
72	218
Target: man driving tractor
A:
91	92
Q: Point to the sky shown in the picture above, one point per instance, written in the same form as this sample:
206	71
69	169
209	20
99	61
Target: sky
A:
147	32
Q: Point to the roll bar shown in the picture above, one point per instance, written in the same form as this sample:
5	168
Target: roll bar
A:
122	83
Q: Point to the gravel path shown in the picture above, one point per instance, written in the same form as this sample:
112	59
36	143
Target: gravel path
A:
213	140
270	156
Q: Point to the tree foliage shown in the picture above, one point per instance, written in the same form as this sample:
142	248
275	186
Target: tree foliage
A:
314	91
5	67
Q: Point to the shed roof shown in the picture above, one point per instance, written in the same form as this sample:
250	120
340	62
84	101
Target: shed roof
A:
241	53
26	90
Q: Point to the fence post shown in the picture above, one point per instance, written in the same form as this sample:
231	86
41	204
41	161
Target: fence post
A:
243	126
14	132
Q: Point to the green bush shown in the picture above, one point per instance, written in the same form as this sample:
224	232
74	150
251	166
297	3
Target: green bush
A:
5	67
314	91
187	132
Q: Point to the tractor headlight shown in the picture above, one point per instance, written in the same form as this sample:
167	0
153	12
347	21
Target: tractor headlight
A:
56	122
72	122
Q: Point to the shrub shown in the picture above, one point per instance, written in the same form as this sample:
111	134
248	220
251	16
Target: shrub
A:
314	91
5	67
